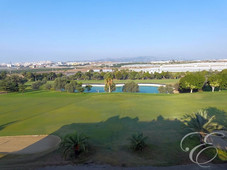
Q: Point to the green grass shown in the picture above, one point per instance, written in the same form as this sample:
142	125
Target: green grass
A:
109	119
43	112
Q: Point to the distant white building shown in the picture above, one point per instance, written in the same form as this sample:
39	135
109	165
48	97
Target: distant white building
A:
9	65
191	67
103	70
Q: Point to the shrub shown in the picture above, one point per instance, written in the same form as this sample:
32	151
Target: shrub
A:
88	87
59	83
131	87
71	87
80	89
22	88
73	145
36	85
48	86
166	89
138	142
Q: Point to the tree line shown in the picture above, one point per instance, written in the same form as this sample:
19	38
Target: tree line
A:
92	75
205	81
189	82
198	81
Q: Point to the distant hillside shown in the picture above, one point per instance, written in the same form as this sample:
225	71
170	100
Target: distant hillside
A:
131	59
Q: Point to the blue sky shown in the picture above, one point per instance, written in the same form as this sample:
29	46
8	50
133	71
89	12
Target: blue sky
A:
66	30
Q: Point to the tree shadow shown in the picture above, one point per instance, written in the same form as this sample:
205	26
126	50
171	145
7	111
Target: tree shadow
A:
3	126
220	115
112	139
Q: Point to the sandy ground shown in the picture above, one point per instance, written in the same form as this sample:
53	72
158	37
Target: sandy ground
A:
29	144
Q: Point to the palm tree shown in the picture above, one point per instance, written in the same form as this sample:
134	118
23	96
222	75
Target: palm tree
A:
138	142
201	122
109	83
73	145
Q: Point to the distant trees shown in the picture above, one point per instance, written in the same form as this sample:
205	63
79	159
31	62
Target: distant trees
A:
80	89
166	89
192	81
48	86
88	87
36	85
60	82
72	86
11	83
131	87
40	76
3	75
118	75
205	80
92	75
22	88
223	77
123	75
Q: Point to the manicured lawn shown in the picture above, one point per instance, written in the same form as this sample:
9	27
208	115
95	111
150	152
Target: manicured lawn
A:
43	112
110	119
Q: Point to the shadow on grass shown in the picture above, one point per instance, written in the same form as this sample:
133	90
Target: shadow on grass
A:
7	124
111	137
220	115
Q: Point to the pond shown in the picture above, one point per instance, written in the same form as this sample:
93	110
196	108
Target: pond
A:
142	89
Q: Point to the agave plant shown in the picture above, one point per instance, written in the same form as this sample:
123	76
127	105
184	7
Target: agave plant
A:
138	142
201	122
73	145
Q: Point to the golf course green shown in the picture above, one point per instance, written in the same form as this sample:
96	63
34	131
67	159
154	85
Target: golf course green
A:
43	112
110	119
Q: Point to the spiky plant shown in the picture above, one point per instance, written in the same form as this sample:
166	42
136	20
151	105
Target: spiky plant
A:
138	142
73	145
201	122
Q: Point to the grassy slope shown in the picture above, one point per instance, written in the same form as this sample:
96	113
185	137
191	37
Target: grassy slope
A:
41	112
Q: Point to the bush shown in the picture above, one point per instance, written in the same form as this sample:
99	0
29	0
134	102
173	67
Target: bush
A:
60	82
138	142
80	89
48	86
166	89
22	88
131	87
11	83
36	85
73	145
71	87
88	87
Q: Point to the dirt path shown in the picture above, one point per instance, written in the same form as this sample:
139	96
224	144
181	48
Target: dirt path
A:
28	144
